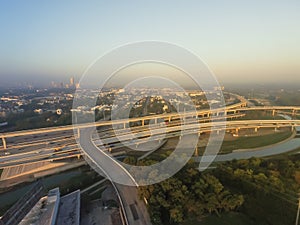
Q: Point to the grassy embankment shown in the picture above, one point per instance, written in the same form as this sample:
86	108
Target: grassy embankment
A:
254	142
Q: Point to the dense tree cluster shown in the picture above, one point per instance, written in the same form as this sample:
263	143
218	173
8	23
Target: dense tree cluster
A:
286	98
264	189
189	193
31	120
269	187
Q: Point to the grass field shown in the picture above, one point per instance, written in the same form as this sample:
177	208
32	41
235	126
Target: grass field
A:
251	142
254	142
231	218
260	115
228	146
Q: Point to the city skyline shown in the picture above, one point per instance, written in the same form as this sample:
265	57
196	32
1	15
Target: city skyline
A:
253	42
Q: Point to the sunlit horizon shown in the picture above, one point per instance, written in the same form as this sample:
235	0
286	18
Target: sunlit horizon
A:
252	42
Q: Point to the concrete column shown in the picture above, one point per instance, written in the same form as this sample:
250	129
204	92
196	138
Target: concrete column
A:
78	133
237	130
143	122
255	129
180	137
293	112
273	112
4	143
124	125
155	120
169	119
78	156
196	151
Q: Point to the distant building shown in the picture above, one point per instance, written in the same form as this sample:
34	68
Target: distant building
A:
38	111
59	111
165	108
72	82
219	88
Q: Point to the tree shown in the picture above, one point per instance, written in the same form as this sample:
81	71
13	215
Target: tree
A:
130	160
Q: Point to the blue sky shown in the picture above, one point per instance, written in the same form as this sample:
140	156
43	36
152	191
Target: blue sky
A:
241	41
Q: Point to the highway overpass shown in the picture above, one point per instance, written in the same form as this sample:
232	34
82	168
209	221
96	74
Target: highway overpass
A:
211	115
132	137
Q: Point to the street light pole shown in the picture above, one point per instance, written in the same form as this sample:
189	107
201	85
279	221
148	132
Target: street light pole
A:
298	211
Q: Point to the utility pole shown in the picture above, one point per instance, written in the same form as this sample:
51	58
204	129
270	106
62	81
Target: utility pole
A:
298	211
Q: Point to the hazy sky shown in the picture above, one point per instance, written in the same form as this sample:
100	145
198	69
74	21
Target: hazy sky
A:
241	41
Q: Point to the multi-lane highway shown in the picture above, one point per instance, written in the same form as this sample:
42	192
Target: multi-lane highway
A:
66	146
217	113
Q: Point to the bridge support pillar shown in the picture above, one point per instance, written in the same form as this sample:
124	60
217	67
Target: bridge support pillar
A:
124	125
293	112
78	156
236	130
196	151
255	129
169	119
273	112
143	122
4	143
78	133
